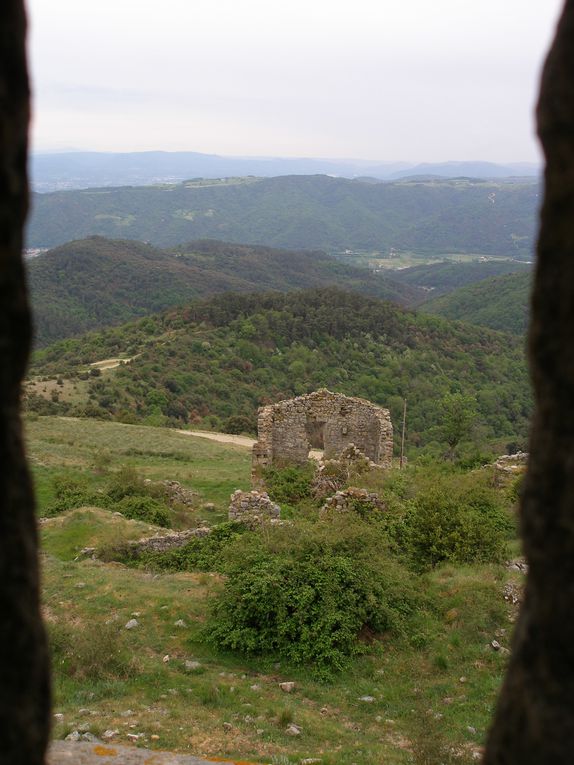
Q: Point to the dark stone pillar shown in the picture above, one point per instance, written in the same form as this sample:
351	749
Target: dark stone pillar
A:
534	720
24	686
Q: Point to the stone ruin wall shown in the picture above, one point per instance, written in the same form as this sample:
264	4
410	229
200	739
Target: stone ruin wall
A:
289	429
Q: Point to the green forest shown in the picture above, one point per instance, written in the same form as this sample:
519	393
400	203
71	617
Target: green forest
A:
222	358
97	282
432	216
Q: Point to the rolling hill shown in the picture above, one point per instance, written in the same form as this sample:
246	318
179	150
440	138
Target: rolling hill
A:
501	302
222	357
97	282
441	278
302	212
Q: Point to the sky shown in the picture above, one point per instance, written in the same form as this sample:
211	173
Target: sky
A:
388	80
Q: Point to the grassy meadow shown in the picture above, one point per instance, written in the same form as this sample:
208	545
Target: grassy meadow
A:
422	696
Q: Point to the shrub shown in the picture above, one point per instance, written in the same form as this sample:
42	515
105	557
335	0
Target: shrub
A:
239	423
71	492
126	483
441	526
290	484
144	509
307	592
200	553
92	652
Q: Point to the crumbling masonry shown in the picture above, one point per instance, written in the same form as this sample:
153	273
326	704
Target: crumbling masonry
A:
288	430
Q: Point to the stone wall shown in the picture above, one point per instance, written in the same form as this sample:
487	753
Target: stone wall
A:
324	420
355	500
252	507
163	542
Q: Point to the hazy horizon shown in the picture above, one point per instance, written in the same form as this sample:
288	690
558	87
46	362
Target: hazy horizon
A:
381	81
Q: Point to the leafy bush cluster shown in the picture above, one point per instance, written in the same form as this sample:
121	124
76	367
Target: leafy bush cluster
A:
289	484
126	493
199	554
307	592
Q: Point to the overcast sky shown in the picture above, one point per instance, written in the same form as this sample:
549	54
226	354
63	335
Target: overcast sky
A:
416	80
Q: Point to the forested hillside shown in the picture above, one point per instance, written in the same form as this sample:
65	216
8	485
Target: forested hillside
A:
221	358
499	303
96	282
426	216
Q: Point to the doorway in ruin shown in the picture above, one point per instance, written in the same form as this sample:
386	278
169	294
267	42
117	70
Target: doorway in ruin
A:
315	431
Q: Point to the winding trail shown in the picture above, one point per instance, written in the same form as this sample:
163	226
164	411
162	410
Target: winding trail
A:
229	438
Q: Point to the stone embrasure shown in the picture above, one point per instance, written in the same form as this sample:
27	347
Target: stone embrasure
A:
252	507
331	421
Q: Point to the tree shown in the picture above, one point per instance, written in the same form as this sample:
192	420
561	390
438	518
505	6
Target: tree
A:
458	415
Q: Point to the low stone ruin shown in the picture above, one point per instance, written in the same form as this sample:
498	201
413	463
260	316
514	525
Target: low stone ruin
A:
252	507
355	500
161	543
175	492
332	475
508	466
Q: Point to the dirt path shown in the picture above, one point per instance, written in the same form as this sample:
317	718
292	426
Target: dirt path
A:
229	438
112	363
223	438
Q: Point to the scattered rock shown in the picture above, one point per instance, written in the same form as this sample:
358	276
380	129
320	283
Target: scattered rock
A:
73	736
462	679
495	645
132	624
89	737
310	761
179	623
58	716
227	726
293	730
126	713
192	665
255	687
471	729
165	658
287	687
367	699
109	734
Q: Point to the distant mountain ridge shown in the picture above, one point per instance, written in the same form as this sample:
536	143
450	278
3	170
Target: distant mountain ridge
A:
77	170
434	217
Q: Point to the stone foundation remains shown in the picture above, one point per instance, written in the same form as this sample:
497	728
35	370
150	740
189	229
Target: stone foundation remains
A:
288	430
161	543
252	507
349	500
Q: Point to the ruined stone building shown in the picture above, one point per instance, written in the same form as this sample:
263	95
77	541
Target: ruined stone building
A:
288	430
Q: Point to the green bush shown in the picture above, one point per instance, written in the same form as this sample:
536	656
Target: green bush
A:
144	509
443	526
126	483
71	492
289	484
306	593
200	553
